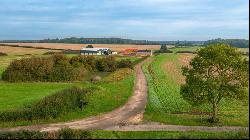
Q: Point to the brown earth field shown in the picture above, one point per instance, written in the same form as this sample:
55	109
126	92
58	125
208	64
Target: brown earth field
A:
115	47
21	51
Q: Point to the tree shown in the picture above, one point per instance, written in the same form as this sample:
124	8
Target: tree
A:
218	71
90	46
163	48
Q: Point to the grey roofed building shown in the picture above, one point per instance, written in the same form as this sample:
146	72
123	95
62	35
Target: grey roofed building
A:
95	51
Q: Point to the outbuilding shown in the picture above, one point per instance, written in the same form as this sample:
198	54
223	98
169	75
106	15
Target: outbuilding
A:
95	51
144	52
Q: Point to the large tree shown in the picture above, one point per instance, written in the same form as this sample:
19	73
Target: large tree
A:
218	71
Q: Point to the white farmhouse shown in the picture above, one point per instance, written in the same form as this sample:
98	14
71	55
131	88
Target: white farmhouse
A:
95	51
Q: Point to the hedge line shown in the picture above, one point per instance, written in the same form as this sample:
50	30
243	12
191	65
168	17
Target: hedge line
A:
65	133
50	107
3	54
58	67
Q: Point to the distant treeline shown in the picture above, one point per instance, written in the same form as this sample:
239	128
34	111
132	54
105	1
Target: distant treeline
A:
239	43
75	40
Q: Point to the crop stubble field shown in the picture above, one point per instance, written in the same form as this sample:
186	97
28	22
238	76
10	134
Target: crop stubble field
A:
115	47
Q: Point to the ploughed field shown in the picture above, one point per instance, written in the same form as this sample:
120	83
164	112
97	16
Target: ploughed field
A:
166	104
112	91
115	47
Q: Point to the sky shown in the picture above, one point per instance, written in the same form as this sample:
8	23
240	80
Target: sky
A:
133	19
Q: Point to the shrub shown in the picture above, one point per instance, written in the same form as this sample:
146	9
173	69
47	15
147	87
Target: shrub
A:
55	68
28	69
22	135
87	61
111	63
51	106
101	65
65	133
3	54
125	63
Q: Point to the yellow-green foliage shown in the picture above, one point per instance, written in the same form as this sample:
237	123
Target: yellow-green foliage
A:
118	75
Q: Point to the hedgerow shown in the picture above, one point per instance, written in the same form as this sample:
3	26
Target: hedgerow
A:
3	54
50	107
55	68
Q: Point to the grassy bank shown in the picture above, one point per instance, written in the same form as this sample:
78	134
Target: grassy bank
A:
167	106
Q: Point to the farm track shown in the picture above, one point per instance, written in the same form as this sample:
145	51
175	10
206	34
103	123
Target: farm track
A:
134	107
120	119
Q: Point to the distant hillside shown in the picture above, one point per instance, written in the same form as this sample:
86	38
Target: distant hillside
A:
74	40
239	43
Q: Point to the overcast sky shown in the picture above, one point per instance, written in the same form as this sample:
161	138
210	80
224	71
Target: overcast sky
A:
134	19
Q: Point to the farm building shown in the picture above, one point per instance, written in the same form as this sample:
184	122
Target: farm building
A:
95	51
144	52
114	52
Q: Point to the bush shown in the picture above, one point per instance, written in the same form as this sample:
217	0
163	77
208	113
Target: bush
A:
22	135
125	63
88	62
68	133
55	68
65	133
3	54
28	69
50	107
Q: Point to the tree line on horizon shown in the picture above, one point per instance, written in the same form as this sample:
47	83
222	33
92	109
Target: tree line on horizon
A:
239	43
75	40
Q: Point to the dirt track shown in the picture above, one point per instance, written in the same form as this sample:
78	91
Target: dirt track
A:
129	112
120	119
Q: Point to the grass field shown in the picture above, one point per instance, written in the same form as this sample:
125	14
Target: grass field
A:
166	104
18	95
108	97
115	47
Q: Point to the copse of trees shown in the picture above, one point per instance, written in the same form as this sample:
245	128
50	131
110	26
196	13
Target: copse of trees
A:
163	49
239	43
217	72
58	67
54	69
90	46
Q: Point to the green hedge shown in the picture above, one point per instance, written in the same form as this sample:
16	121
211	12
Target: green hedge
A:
54	69
50	107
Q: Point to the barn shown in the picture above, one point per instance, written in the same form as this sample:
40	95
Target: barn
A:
144	52
95	51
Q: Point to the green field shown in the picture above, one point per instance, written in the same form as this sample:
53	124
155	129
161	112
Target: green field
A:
166	104
194	48
19	95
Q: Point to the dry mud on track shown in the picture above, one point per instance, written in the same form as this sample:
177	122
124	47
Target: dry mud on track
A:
134	107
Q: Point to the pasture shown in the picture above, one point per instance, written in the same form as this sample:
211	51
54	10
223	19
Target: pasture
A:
166	104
